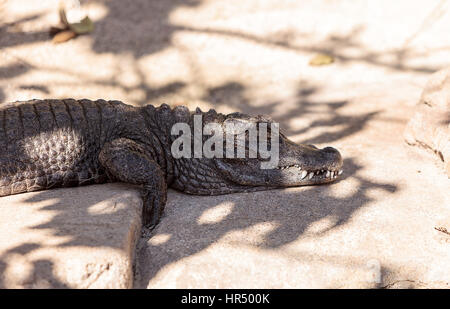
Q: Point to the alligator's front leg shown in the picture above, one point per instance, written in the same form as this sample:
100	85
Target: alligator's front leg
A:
128	162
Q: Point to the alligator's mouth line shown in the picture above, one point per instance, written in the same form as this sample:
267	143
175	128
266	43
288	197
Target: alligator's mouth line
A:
325	174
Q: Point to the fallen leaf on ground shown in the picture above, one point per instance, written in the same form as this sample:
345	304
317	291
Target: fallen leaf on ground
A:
84	26
321	59
442	229
66	31
62	16
63	36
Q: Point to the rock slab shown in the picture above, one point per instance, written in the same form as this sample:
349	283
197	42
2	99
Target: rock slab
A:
429	127
70	238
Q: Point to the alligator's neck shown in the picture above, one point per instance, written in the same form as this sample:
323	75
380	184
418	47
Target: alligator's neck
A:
159	121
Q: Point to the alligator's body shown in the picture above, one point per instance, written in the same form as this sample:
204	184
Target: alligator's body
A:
61	143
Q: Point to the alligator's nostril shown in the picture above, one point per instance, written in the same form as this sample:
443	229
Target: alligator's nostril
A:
330	149
332	154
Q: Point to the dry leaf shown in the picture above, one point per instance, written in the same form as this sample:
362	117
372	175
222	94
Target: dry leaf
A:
442	229
68	30
64	36
321	59
84	26
62	16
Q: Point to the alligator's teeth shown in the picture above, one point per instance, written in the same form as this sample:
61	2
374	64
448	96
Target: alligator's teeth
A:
332	174
317	173
303	175
328	174
340	172
311	175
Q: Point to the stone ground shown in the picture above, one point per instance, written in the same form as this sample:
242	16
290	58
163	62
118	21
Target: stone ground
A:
373	228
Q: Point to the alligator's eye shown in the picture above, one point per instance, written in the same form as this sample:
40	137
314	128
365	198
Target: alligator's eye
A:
237	126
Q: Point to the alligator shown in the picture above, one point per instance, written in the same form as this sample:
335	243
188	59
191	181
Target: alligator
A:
46	144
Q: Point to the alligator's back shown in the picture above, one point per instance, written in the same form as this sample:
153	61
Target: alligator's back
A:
53	143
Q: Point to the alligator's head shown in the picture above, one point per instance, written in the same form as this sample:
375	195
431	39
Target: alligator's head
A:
297	164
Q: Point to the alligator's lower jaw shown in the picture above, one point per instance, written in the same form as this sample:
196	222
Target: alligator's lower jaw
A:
319	180
308	177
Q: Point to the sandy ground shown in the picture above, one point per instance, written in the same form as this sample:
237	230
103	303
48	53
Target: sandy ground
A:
373	228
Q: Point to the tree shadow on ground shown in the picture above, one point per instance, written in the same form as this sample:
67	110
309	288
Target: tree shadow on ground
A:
65	217
324	114
11	34
142	28
290	211
11	71
334	46
145	28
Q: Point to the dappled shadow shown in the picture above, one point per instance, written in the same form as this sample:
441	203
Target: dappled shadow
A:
69	225
145	28
11	71
40	88
41	275
141	28
148	30
151	93
290	211
11	34
333	45
324	114
42	270
230	94
67	219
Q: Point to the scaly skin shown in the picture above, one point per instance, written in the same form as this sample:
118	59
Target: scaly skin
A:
46	144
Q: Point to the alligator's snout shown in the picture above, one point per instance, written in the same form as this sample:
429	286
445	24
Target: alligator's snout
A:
307	165
332	157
